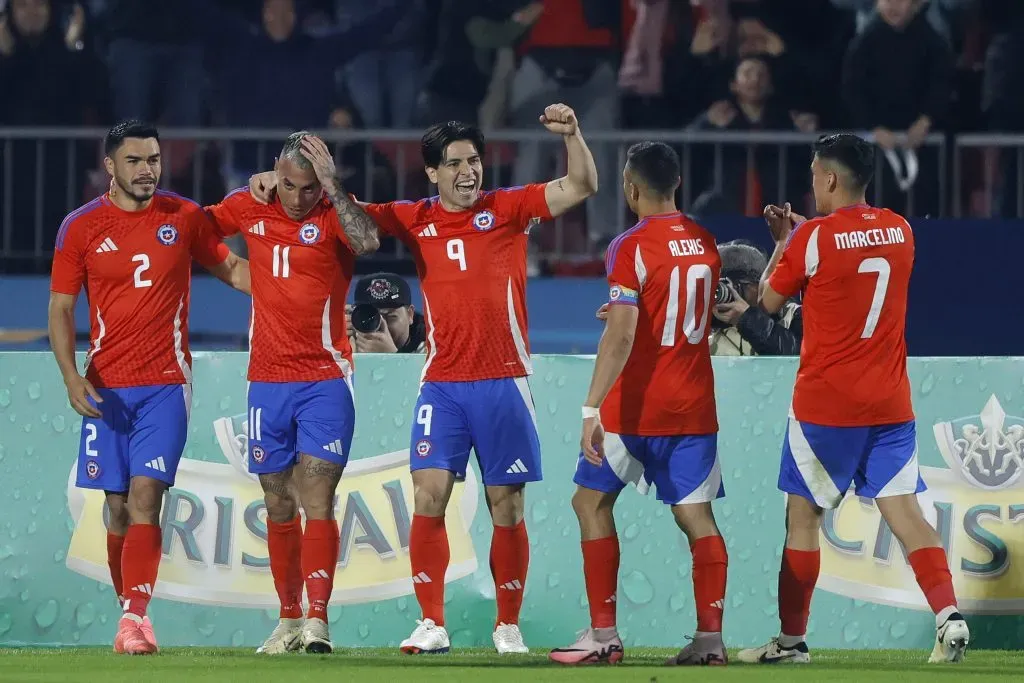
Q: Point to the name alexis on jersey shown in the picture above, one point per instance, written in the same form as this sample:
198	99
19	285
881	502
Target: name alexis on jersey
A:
687	247
876	237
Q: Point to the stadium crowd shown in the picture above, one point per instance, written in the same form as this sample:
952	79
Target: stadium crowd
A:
909	67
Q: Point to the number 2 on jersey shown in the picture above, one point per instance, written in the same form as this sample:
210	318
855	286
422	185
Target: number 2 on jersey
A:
694	333
881	267
143	261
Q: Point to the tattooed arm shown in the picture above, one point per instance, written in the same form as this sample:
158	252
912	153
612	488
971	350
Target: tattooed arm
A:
360	230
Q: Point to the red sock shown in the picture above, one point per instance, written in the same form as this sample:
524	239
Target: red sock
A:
710	563
115	544
601	573
932	572
510	559
796	586
429	555
140	562
284	541
320	547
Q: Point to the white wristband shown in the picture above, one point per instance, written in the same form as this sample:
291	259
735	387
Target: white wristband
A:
589	412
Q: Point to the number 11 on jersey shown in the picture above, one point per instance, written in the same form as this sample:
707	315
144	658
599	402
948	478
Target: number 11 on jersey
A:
697	276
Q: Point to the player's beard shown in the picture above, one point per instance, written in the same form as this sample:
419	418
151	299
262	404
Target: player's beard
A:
139	193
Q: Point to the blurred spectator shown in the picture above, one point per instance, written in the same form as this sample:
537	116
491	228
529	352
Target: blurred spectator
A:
571	55
385	81
941	14
1003	93
47	78
749	174
896	77
473	60
256	68
155	57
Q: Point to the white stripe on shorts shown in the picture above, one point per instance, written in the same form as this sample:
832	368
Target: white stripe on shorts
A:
628	469
817	479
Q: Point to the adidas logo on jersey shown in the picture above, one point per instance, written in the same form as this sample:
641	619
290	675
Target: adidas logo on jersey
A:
429	231
517	468
106	245
258	229
335	447
421	578
157	464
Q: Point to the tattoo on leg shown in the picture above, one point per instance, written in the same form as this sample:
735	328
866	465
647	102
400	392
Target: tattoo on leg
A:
314	468
278	484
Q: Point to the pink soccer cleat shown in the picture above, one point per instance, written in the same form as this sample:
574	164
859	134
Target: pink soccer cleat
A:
130	639
147	630
702	650
594	646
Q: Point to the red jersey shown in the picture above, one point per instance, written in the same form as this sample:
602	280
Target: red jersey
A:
136	267
472	269
853	268
301	270
668	267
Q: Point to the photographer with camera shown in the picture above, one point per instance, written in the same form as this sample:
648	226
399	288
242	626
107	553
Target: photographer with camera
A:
741	327
383	319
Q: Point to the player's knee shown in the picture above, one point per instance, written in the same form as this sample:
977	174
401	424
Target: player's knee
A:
144	500
588	504
696	520
802	515
507	504
117	513
430	500
318	504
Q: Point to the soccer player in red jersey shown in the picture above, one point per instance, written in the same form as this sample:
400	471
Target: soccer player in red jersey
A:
470	252
642	422
852	422
302	250
132	250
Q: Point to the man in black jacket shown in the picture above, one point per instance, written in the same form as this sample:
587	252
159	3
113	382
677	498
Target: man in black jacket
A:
741	327
397	327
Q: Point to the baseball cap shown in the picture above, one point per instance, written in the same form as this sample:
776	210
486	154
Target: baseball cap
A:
383	290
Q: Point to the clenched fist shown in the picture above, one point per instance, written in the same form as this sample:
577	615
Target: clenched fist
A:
560	119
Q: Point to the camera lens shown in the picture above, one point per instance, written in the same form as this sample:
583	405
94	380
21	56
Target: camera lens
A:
723	295
365	318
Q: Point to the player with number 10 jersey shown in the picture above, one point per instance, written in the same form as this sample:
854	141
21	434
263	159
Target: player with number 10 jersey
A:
649	416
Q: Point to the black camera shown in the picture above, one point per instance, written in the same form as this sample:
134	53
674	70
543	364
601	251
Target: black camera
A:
366	318
723	293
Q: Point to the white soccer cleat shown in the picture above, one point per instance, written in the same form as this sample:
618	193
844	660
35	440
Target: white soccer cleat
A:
316	638
286	637
773	653
508	640
951	640
427	639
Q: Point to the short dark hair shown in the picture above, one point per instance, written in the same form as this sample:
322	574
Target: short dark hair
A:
437	138
132	128
657	165
853	153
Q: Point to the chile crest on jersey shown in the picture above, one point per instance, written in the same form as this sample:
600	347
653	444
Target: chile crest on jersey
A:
309	233
167	234
483	221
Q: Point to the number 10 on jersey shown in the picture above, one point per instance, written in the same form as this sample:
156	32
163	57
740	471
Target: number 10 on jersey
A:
698	277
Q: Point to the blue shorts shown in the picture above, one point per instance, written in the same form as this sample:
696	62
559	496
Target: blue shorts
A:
821	463
684	469
288	418
141	434
494	417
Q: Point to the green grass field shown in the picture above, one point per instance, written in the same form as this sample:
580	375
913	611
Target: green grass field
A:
641	664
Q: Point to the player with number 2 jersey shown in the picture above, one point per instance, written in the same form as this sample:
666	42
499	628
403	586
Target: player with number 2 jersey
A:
852	422
132	251
649	417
